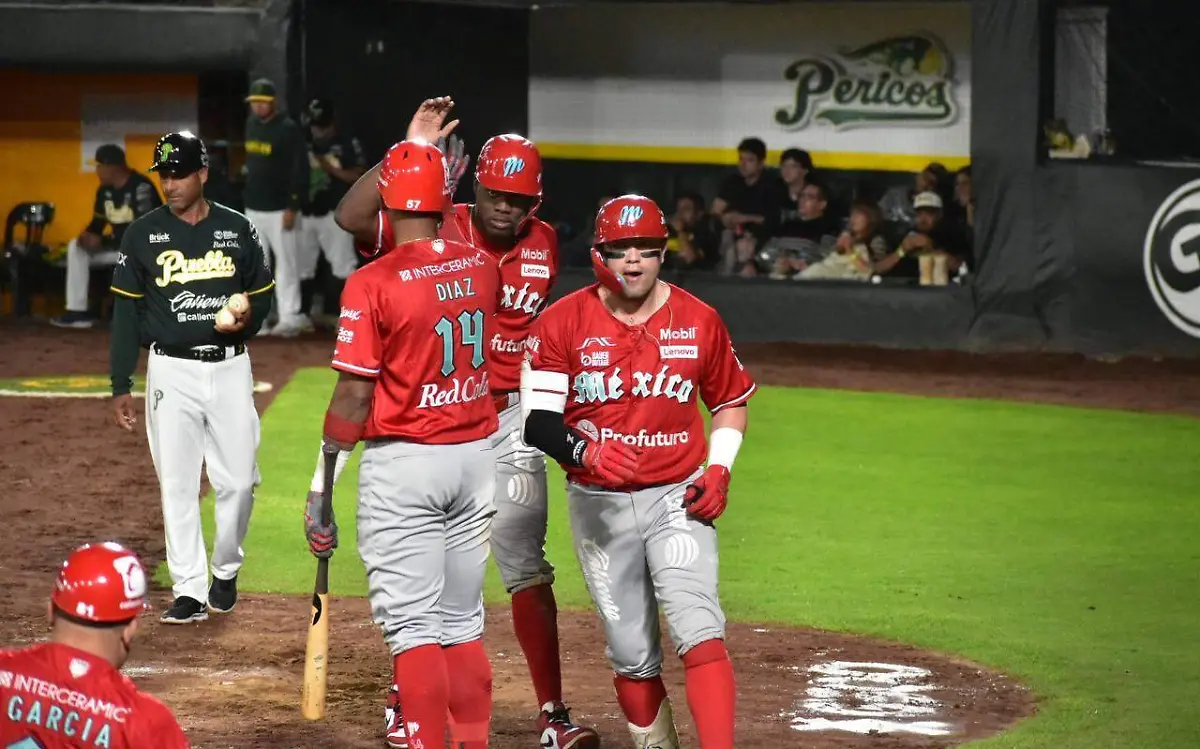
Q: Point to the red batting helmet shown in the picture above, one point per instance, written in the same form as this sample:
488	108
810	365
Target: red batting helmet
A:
510	163
413	178
103	583
623	218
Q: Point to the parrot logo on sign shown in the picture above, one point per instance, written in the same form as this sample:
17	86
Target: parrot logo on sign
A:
630	215
513	165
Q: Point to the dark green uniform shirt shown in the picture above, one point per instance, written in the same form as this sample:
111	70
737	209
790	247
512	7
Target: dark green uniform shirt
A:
119	206
276	164
172	278
325	190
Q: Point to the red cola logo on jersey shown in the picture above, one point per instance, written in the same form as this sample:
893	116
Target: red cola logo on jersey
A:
472	388
599	387
523	299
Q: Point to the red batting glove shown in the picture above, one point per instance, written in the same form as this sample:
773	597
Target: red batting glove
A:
706	497
613	462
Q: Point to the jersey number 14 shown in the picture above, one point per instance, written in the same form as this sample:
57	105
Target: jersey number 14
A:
470	329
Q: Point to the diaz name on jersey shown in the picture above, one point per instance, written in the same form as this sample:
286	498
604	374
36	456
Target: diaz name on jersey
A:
640	383
417	320
527	274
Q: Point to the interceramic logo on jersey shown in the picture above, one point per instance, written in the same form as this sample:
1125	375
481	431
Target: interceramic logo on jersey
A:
1171	258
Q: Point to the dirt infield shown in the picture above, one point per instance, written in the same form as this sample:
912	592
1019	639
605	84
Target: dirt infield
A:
68	476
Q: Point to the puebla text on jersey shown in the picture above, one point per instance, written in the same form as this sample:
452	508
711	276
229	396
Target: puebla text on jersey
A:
276	164
180	275
118	207
527	274
639	384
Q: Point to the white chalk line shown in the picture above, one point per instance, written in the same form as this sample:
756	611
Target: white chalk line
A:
219	674
259	387
868	698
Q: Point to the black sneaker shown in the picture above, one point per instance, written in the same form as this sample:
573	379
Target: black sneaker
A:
71	319
222	595
185	610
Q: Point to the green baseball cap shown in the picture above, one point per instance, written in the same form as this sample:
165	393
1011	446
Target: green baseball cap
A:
262	89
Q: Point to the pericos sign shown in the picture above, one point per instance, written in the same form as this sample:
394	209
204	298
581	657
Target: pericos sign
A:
902	80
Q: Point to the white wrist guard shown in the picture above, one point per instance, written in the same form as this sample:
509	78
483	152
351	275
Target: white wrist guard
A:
318	479
723	446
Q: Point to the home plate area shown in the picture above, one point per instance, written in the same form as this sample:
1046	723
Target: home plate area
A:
796	688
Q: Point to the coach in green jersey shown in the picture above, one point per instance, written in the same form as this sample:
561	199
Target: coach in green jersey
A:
179	266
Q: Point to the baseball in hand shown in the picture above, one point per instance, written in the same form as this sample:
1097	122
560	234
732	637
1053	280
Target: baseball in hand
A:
239	303
226	319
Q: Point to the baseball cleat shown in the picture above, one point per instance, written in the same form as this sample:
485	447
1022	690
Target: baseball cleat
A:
558	732
70	319
222	595
396	738
660	734
185	610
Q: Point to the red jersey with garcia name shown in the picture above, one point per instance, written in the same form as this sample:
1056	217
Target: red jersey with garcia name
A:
54	696
417	321
640	384
527	273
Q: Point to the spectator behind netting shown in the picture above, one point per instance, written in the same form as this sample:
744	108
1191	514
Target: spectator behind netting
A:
747	205
938	244
964	197
896	205
858	248
694	236
806	232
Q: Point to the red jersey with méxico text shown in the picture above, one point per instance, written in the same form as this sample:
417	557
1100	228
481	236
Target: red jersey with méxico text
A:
54	696
527	273
640	384
417	321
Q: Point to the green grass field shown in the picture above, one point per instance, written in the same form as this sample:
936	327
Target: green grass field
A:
1057	544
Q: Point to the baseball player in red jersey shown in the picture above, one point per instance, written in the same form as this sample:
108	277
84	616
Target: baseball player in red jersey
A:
609	390
508	191
69	693
413	383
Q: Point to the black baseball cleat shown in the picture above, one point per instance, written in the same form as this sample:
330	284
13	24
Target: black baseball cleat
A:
185	610
222	595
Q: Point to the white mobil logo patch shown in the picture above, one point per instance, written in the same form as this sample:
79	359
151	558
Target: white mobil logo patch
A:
677	334
1171	258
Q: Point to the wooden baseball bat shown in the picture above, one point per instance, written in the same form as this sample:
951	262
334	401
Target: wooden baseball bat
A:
316	652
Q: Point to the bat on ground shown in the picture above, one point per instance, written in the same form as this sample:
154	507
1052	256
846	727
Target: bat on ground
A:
316	652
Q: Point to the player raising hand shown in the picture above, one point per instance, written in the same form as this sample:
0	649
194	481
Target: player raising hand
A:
502	222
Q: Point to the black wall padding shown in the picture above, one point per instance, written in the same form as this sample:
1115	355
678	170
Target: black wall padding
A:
1004	140
480	56
1099	216
823	311
142	39
271	55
